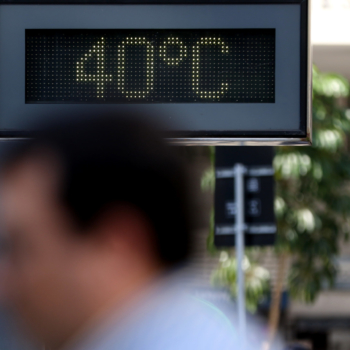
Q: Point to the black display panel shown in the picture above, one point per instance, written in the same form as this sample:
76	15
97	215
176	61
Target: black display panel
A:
150	66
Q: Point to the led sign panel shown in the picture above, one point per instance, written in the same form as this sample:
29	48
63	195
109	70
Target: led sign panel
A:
150	66
214	72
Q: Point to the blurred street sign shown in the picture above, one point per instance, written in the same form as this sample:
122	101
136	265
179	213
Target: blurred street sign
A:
259	220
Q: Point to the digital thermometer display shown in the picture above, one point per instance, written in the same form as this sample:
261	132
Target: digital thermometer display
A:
150	66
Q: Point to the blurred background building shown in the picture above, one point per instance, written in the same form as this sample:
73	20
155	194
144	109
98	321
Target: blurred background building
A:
330	35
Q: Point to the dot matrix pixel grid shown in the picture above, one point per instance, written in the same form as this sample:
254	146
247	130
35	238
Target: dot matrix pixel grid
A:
150	66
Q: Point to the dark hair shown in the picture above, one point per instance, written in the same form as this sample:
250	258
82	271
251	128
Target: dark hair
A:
113	159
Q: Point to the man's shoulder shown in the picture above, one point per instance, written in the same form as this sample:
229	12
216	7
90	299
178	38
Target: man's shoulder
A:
178	321
167	317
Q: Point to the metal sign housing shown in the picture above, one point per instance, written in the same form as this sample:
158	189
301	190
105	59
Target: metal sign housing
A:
216	72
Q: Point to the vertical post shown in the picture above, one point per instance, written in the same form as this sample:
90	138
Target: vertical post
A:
239	171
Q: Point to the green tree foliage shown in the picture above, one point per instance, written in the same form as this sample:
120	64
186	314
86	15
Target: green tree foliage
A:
257	279
313	192
312	202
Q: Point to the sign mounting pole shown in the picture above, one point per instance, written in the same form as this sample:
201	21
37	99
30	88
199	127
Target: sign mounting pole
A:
239	171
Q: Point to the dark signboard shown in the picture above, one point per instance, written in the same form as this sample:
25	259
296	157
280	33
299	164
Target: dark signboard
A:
258	195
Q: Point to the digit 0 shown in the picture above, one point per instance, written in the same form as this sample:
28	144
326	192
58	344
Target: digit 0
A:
149	66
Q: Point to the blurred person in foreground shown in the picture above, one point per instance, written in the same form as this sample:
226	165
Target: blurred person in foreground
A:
96	230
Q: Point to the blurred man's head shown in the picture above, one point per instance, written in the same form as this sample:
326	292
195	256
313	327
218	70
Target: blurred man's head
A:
92	210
